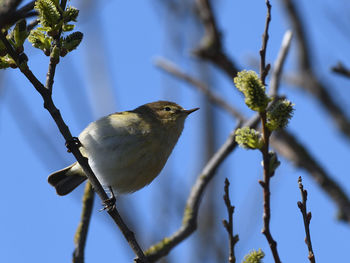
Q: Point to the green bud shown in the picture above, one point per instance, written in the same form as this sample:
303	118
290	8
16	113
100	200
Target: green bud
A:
254	257
249	138
40	40
72	41
6	62
20	33
273	162
253	90
70	14
68	27
48	12
279	114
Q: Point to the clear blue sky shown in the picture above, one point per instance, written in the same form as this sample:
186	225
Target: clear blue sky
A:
38	226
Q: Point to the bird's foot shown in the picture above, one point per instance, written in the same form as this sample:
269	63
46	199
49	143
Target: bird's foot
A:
109	204
72	142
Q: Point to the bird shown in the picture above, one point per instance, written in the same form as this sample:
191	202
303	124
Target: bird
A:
126	150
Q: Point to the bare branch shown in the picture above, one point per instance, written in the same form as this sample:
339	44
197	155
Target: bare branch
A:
264	69
278	66
233	239
341	70
306	219
82	230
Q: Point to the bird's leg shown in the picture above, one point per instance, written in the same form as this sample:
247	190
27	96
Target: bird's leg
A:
109	204
73	142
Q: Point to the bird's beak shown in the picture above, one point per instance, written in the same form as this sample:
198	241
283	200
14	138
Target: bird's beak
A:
188	112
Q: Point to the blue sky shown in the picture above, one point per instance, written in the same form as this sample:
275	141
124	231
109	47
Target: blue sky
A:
113	70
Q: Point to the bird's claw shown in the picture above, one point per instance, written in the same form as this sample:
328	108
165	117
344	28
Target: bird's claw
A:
109	204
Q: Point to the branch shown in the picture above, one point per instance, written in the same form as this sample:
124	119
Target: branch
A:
278	65
341	70
74	148
210	47
306	219
309	80
82	230
233	239
264	69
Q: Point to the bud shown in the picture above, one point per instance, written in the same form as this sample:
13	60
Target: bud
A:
253	90
279	114
249	138
254	256
72	41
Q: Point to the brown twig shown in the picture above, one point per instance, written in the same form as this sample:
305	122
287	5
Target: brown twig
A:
309	80
341	70
264	69
82	230
74	148
233	239
306	219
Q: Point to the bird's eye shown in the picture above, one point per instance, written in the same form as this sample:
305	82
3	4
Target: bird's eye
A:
167	109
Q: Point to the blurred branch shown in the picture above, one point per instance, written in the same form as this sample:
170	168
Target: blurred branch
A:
306	219
210	47
309	80
82	230
172	69
264	69
278	65
341	70
73	145
233	239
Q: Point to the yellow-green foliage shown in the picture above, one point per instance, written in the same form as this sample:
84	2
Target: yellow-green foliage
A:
254	257
253	90
249	138
279	114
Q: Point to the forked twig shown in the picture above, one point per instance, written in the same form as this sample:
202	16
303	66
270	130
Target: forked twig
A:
306	219
233	239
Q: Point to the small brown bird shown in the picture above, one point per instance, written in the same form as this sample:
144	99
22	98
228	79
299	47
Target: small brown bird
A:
126	150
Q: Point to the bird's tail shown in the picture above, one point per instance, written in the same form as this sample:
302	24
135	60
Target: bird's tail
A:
67	179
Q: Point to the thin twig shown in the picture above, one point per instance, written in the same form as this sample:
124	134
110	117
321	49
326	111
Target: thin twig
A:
341	70
82	230
264	69
74	149
278	65
174	70
233	239
306	219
